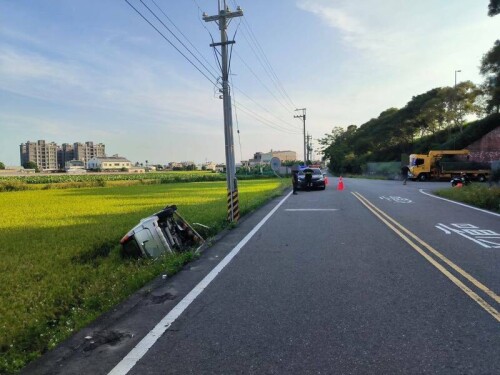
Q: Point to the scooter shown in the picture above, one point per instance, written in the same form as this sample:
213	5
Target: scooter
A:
460	181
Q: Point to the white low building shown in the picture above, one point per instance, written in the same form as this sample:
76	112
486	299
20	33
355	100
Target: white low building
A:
75	166
210	166
265	157
113	163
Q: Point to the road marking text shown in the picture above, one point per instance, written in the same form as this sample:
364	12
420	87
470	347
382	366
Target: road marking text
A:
396	199
484	237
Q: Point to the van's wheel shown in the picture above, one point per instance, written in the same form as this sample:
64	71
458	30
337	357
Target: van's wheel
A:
481	178
422	177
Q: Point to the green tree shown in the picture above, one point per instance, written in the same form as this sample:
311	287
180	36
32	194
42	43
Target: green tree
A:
490	69
378	133
336	148
31	165
290	163
494	8
461	101
424	113
2	165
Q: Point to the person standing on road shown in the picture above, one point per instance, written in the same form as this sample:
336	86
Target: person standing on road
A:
308	173
295	180
404	173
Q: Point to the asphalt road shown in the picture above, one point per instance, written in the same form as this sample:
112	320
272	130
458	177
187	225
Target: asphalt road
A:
379	278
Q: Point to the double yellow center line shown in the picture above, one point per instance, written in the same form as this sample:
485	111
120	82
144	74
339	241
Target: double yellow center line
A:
416	243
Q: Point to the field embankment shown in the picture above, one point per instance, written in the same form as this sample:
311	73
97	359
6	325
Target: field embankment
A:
60	265
69	181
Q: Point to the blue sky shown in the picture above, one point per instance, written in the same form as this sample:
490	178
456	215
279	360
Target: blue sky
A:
93	70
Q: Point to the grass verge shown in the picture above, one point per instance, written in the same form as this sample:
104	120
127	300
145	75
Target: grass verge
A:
475	194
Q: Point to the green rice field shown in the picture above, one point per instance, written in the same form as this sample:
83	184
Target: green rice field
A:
60	262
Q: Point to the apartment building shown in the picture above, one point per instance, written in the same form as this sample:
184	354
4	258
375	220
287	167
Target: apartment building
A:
42	153
80	151
65	154
88	150
50	156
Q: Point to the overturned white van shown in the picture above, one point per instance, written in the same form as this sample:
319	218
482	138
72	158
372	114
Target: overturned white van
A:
163	232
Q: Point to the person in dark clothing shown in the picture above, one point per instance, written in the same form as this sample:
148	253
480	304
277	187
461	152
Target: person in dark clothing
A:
295	181
404	173
308	173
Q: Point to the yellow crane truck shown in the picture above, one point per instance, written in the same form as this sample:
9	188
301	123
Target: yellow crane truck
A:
446	164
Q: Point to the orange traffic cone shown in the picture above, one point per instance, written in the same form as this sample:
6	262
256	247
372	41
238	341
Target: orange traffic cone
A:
326	180
340	186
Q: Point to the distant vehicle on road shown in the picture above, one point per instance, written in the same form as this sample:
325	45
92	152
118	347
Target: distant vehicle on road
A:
317	179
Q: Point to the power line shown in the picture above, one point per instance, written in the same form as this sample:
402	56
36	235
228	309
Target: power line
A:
232	45
262	83
240	106
257	77
175	36
281	88
185	37
170	42
265	121
208	31
265	109
237	122
264	61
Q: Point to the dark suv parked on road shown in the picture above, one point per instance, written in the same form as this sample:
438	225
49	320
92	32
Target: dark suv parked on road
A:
317	179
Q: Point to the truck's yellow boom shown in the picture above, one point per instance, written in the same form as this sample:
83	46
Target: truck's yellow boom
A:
448	152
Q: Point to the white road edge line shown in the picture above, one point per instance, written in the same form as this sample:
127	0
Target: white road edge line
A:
460	204
129	361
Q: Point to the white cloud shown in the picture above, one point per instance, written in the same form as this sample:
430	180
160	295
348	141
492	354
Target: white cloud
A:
138	86
18	66
396	51
334	17
364	32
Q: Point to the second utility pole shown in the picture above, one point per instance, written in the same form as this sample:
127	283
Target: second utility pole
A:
221	19
303	117
309	147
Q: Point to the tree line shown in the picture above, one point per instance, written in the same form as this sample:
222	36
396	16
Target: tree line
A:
437	113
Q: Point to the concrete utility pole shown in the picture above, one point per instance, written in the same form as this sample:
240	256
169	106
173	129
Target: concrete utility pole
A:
309	147
303	117
232	184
